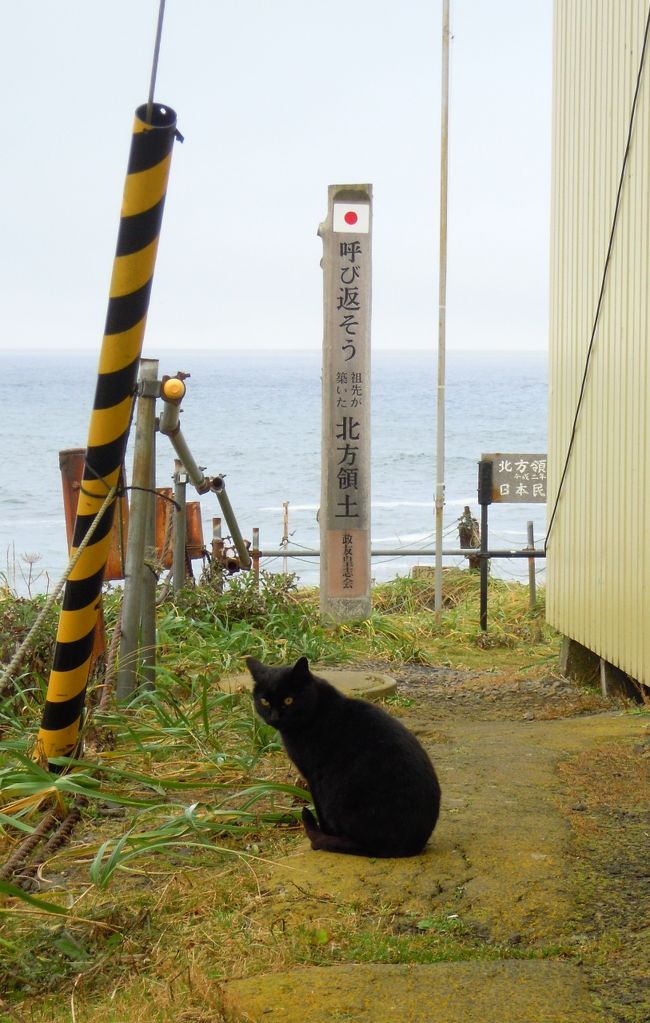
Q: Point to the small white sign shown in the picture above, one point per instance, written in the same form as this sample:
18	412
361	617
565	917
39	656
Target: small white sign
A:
351	217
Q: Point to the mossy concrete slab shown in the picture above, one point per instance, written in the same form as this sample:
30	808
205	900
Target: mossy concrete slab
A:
372	685
497	857
415	886
509	991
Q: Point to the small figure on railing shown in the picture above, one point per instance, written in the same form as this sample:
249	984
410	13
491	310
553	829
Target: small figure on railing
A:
470	536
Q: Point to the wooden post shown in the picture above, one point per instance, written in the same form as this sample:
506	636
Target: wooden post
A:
345	454
142	473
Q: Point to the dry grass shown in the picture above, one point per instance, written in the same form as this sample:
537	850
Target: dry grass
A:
604	781
606	796
168	926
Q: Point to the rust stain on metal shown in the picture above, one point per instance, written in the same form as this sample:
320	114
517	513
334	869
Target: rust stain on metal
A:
164	528
71	464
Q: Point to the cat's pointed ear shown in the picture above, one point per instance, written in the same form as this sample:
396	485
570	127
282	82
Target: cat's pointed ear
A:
255	667
301	668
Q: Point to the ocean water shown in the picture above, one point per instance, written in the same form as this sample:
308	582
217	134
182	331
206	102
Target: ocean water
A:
255	418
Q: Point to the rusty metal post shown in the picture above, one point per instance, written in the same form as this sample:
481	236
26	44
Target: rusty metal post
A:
71	465
72	462
217	542
217	551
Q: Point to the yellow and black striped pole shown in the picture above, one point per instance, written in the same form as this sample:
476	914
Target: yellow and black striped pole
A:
145	188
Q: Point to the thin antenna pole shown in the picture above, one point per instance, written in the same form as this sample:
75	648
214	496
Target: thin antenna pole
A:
154	67
442	309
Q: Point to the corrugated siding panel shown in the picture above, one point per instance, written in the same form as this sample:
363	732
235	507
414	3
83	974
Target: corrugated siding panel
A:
598	565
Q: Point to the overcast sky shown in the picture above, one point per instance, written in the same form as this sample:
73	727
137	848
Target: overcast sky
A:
277	99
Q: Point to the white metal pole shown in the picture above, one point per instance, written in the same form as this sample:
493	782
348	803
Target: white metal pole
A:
180	525
442	308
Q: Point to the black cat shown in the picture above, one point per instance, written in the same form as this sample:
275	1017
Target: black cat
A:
373	785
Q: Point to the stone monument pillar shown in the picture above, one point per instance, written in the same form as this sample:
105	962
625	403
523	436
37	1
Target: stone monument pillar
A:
345	453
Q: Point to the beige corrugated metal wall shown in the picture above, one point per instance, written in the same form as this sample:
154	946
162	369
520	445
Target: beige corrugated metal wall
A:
599	547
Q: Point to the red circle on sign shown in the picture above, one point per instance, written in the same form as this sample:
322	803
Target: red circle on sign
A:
350	217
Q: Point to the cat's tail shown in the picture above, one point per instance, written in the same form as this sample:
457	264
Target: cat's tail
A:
329	843
310	825
342	844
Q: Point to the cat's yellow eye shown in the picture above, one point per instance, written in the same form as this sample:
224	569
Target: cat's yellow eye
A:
265	703
288	700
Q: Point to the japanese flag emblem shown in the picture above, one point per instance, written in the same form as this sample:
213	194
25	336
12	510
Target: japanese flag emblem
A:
351	217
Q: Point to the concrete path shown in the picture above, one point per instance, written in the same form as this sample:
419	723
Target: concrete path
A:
474	992
497	861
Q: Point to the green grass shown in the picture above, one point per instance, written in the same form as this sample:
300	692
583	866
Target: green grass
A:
381	939
187	795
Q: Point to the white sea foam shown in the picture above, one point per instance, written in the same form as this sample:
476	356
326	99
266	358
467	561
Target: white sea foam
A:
278	509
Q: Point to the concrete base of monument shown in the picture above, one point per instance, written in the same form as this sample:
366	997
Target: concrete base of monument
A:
372	685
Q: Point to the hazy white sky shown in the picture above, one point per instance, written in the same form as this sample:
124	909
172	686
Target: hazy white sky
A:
277	99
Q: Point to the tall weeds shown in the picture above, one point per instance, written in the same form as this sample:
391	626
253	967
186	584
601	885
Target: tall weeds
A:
185	762
185	781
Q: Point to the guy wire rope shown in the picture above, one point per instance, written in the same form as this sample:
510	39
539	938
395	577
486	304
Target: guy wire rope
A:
154	63
18	858
19	656
137	243
603	283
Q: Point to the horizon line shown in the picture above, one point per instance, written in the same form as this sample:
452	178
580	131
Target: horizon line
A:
287	351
